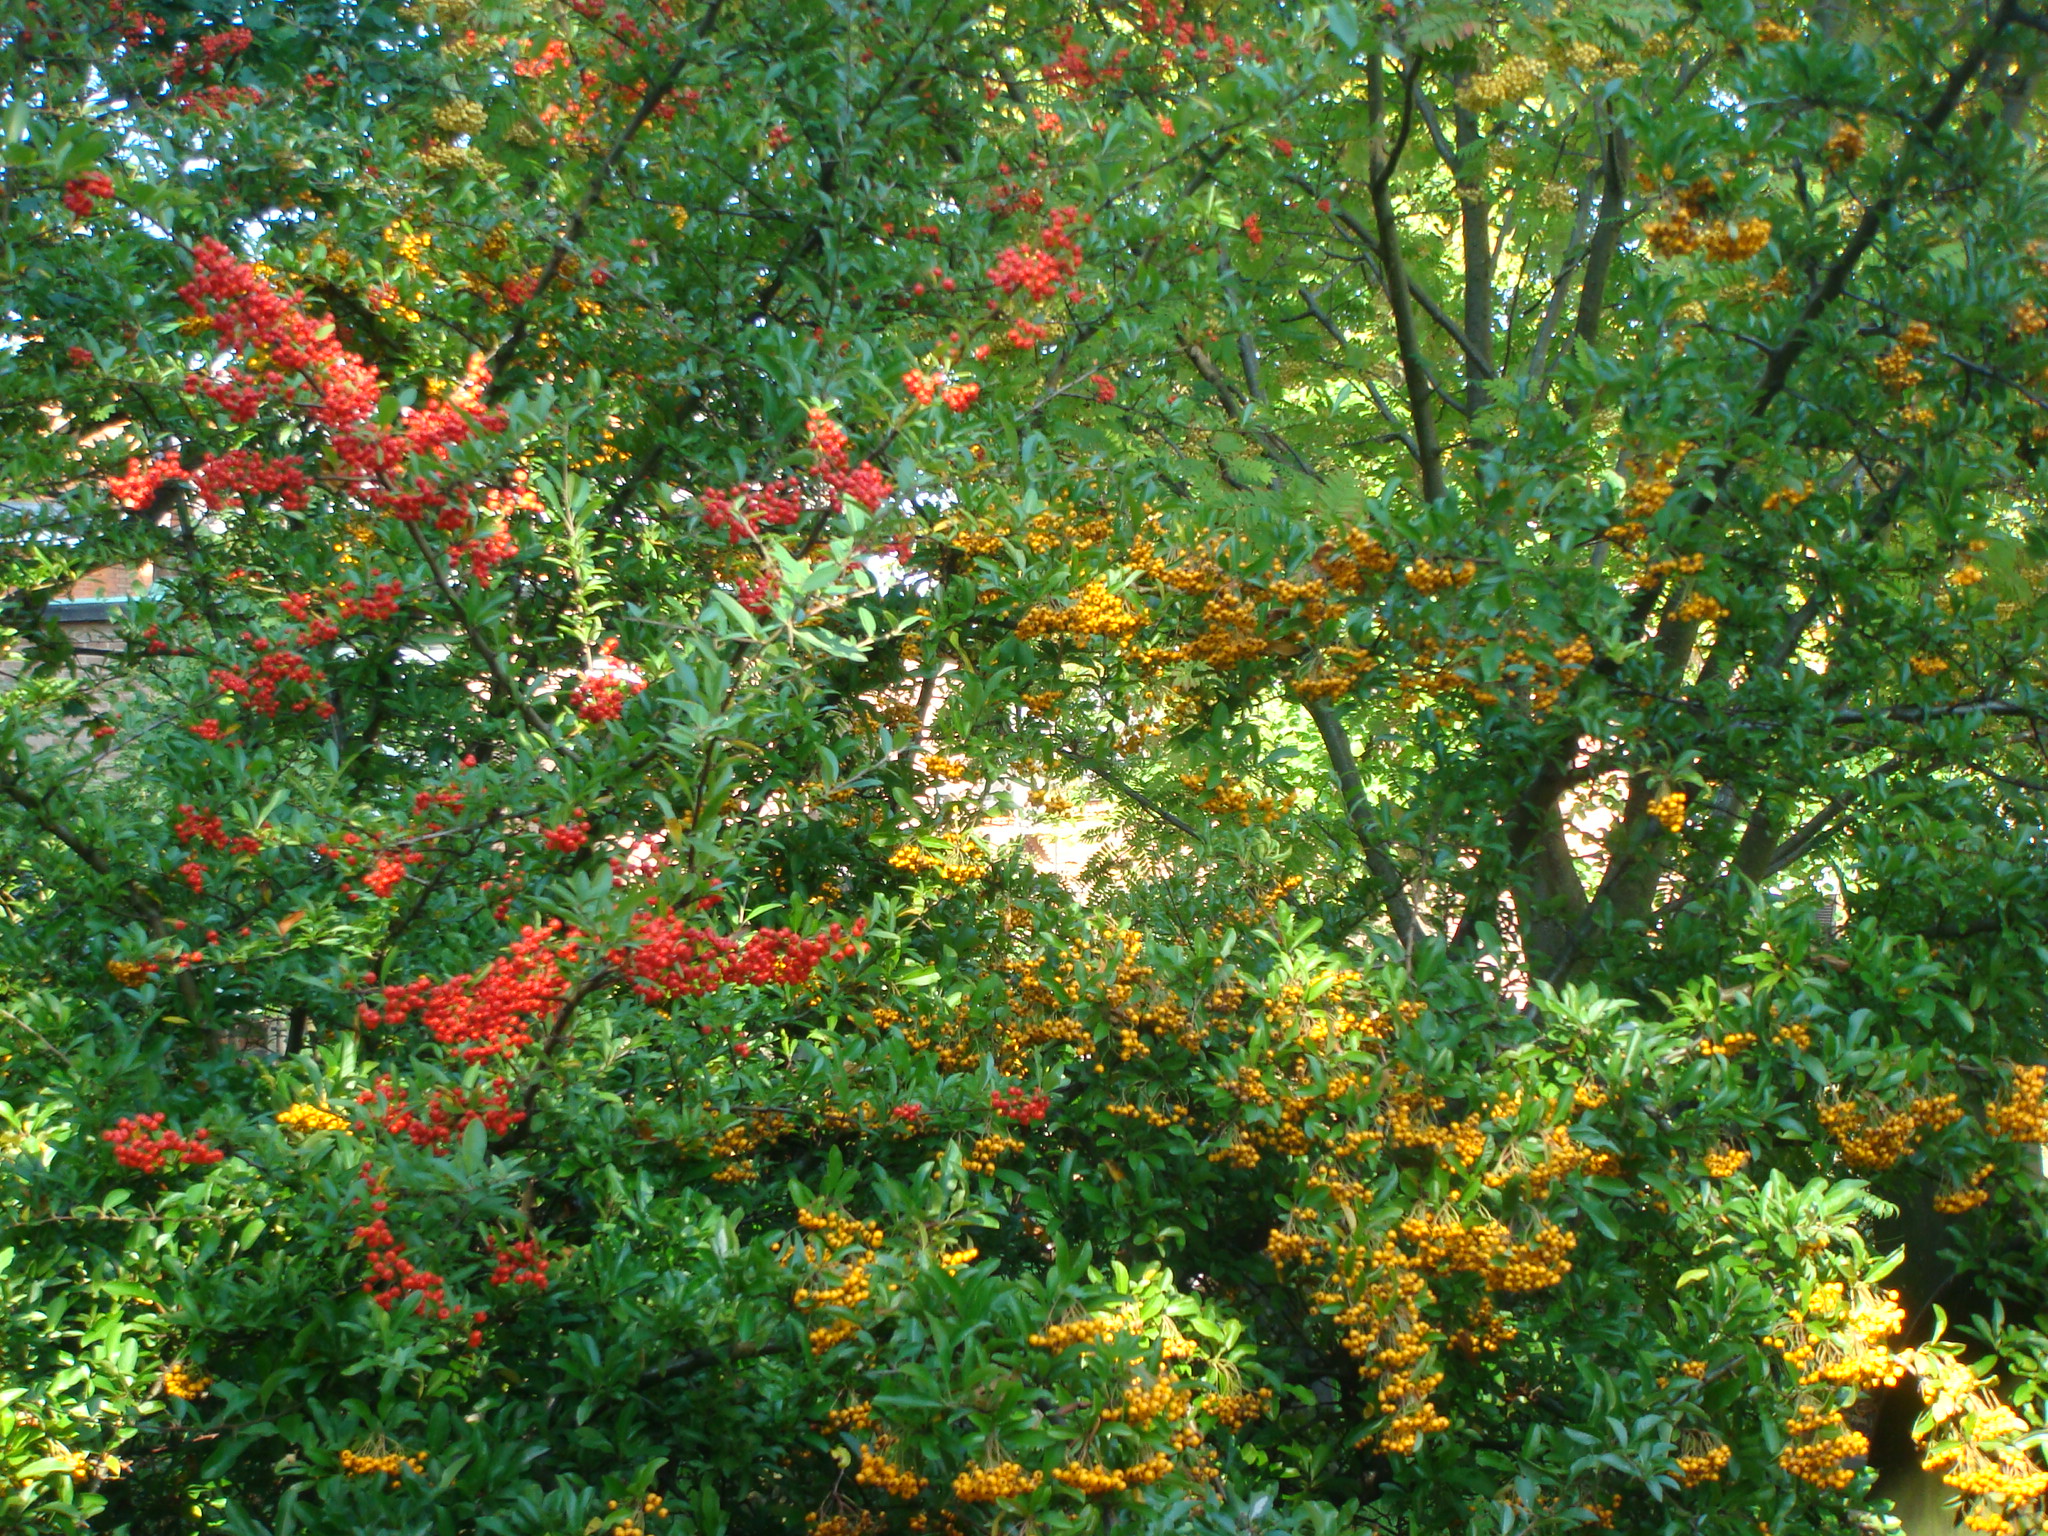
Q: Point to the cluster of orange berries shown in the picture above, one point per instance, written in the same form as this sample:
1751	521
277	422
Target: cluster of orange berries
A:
383	1464
1700	608
1093	610
861	1522
852	1416
991	1485
1724	1162
1515	77
1848	1347
1142	1405
1234	1410
1701	1459
1966	1196
1734	1043
1870	1146
1230	798
1819	1461
635	1521
1285	1248
2022	1115
1537	1264
961	863
1653	574
306	1119
1081	1330
1095	1480
183	1382
1686	228
956	1259
1430	577
1794	1032
1894	366
987	1149
1845	145
1410	1419
1975	1452
1668	810
1363	557
877	1471
1150	1114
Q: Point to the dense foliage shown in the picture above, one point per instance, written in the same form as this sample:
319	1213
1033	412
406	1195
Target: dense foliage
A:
535	1001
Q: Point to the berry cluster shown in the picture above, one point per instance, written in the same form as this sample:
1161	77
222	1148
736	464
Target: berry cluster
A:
992	1485
80	192
1040	268
185	1383
603	687
393	1277
520	1263
490	1014
281	677
568	837
668	958
1014	1103
141	1143
829	443
308	1119
451	1110
197	826
777	504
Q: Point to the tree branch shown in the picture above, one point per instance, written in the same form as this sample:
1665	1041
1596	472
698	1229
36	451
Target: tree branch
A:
1358	811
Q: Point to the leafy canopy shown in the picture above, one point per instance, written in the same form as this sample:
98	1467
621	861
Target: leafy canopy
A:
901	766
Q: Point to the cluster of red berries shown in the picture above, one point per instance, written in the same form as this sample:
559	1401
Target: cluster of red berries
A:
1171	28
263	688
520	1263
80	192
1040	269
394	1277
490	1014
141	1143
225	479
485	553
757	594
251	317
450	1111
1075	71
387	871
669	958
866	485
196	826
923	388
604	687
194	874
288	353
568	837
777	504
1014	1103
217	100
137	25
136	487
213	48
379	604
